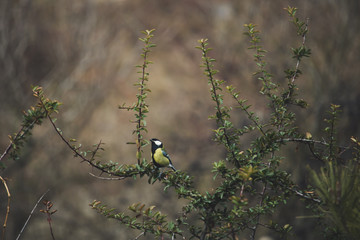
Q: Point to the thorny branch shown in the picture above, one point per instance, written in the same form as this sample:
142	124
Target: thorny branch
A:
74	149
7	207
31	213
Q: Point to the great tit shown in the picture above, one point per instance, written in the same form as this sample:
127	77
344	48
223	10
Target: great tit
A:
159	156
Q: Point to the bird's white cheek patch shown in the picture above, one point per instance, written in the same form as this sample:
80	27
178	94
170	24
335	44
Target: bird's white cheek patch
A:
158	143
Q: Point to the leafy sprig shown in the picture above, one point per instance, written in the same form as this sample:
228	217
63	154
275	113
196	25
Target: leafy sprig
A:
144	219
141	108
33	116
224	134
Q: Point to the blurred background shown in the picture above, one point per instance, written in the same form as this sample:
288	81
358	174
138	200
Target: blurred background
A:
84	54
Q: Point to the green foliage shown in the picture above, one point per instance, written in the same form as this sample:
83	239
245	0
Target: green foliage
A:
144	219
338	183
338	186
33	116
227	211
301	27
222	116
141	107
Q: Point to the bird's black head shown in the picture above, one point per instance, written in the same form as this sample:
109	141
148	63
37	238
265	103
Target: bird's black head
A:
155	144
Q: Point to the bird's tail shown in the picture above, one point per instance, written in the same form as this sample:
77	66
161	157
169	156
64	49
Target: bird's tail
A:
172	167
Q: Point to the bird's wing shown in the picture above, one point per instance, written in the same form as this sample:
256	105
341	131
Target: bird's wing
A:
168	157
165	154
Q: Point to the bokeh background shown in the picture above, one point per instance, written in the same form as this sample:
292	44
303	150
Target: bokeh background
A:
84	54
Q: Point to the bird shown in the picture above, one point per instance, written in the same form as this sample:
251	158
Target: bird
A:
159	156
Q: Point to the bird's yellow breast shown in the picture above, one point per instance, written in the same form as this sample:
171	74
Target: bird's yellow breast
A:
160	159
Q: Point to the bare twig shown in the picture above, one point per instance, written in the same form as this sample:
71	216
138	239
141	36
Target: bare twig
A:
137	237
31	213
7	150
7	208
305	196
106	178
312	150
49	212
303	140
254	228
74	149
310	141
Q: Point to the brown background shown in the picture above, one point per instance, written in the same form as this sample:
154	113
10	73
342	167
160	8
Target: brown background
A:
83	53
